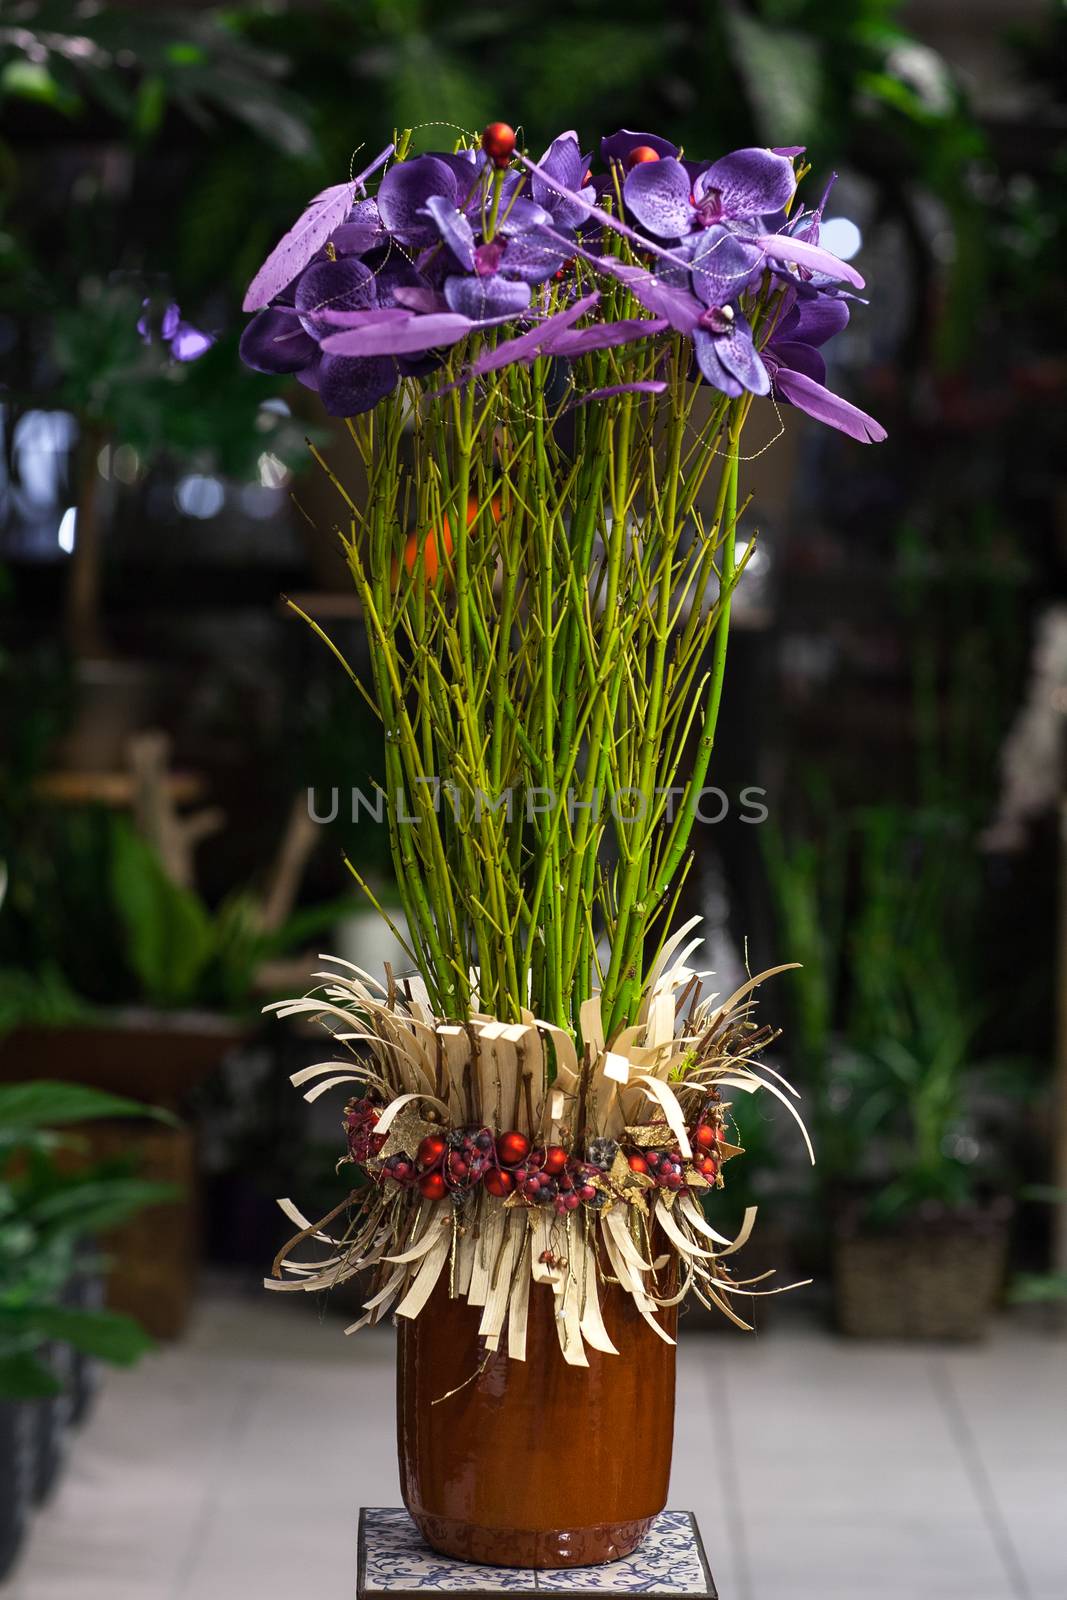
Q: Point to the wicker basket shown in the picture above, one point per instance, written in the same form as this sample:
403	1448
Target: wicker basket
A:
936	1283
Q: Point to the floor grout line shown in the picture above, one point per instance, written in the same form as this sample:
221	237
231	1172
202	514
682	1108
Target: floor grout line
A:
980	1481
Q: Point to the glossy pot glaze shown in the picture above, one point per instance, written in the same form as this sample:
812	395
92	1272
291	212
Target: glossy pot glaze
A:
534	1463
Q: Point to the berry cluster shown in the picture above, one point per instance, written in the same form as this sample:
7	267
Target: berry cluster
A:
455	1161
664	1167
361	1117
552	1177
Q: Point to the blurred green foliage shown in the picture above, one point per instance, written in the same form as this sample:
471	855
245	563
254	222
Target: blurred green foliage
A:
48	1214
92	921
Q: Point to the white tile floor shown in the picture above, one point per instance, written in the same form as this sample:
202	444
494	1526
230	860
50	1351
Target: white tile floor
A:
230	1467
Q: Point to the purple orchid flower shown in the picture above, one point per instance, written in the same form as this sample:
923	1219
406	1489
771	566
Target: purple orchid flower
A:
741	188
500	270
560	186
798	371
696	294
185	341
772	245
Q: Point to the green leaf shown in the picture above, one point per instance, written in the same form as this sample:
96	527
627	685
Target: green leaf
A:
23	1377
95	1204
169	934
31	80
48	1103
104	1334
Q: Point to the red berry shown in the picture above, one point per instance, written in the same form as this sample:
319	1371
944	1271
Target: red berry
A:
431	1150
458	1169
432	1186
705	1136
531	1188
499	1183
512	1148
707	1166
401	1169
498	142
587	1192
569	1202
638	1164
640	153
555	1159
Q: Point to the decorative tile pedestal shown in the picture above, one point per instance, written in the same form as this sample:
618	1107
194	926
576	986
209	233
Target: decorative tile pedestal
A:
395	1564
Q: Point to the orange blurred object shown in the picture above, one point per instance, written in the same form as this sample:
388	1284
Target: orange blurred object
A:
431	556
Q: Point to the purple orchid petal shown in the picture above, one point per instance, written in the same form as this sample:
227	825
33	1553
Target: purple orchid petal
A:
348	387
418	366
816	321
646	386
617	146
798	358
562	171
342	285
522	215
608	224
292	253
404	193
659	195
169	326
365	317
827	407
454	229
738	355
675	305
782	248
721	264
788	149
144	327
394	273
482	298
705	348
533	256
309	376
748	183
602	336
466	166
413	298
527	346
361	230
189	343
274	341
396	336
814	221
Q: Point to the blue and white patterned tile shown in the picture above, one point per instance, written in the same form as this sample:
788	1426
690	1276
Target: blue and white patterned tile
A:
395	1558
667	1562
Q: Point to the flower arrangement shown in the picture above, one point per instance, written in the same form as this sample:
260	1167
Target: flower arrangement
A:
545	373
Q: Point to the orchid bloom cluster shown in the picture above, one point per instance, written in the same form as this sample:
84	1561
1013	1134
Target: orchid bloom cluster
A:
368	290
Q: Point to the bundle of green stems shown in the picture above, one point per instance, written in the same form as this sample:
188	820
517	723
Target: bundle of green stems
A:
545	582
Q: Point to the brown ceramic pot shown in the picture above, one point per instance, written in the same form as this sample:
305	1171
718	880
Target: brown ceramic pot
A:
534	1463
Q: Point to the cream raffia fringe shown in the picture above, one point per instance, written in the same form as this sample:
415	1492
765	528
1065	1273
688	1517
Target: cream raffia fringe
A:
428	1073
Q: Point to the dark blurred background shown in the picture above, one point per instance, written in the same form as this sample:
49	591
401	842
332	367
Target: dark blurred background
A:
897	682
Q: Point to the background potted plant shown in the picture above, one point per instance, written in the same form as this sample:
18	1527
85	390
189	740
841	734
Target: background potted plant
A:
53	1209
